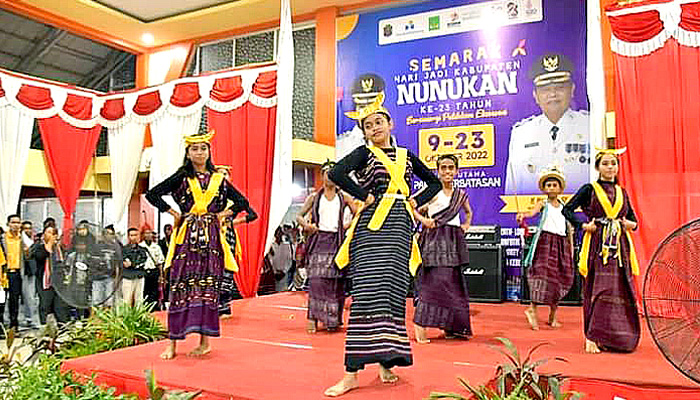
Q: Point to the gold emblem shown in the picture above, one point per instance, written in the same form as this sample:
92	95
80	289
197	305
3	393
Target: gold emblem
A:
550	64
367	85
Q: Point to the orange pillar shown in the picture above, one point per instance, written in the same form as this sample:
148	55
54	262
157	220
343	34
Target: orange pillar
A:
324	109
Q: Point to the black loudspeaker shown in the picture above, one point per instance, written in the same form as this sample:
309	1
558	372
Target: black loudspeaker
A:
484	274
573	298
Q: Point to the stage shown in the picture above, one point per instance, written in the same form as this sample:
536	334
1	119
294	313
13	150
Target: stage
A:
264	353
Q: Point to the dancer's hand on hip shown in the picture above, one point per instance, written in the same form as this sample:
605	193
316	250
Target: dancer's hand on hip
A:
589	227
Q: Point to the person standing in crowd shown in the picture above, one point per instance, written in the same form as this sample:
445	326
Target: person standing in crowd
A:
153	268
3	287
557	136
164	242
379	246
549	260
14	250
105	273
607	259
281	256
135	257
326	232
47	254
200	249
30	299
442	299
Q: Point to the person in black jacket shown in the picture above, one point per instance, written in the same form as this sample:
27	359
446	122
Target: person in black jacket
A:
134	273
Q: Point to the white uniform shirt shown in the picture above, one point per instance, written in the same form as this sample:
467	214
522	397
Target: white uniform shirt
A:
328	214
440	202
555	222
533	149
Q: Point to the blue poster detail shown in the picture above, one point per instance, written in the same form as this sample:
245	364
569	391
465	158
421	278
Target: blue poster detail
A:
500	83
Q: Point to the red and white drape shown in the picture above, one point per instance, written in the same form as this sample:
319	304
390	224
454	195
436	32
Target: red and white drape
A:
656	50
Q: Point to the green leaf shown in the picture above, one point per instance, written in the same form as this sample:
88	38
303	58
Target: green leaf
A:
533	349
510	346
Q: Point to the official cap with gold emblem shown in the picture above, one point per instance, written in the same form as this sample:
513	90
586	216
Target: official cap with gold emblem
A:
199	138
551	68
366	88
375	107
552	172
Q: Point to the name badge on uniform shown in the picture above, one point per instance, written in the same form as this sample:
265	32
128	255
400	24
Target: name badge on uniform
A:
533	144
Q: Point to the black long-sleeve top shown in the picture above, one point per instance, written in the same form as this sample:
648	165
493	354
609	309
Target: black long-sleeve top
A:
176	185
374	178
582	199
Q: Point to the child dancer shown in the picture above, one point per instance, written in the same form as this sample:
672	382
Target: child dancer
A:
549	262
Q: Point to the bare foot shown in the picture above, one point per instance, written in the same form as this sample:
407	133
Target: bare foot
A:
311	326
387	376
169	353
532	319
592	347
554	323
420	334
199	351
348	383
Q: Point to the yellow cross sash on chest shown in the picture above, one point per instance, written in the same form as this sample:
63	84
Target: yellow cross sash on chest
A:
202	199
398	190
611	212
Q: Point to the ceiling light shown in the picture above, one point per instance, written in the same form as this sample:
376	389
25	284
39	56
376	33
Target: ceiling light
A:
147	38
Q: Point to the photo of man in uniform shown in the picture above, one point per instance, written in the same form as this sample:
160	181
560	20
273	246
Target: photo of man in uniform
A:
559	136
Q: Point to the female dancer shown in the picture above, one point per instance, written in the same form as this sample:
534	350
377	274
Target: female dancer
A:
443	298
550	273
326	232
198	251
607	259
379	247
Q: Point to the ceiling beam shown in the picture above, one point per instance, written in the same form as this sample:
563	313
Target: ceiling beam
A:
40	48
101	72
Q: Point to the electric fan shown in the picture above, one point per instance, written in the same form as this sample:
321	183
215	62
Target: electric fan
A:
88	271
671	299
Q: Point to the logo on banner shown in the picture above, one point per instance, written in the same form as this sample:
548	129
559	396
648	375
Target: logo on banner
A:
434	23
410	26
388	30
454	20
512	9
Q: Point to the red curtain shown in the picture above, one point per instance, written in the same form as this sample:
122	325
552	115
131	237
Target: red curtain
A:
68	151
657	108
245	140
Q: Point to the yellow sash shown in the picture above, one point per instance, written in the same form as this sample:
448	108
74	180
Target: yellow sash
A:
202	198
398	190
611	212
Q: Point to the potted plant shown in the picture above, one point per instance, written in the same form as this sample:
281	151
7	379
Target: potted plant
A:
517	379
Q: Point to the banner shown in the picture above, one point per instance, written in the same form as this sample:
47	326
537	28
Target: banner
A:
461	79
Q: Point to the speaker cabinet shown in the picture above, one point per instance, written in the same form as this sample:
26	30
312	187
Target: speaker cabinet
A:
484	274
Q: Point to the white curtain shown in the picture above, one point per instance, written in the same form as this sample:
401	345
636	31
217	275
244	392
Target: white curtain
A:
167	133
125	145
595	79
15	138
282	170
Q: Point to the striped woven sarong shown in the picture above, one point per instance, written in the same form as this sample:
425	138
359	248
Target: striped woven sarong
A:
380	279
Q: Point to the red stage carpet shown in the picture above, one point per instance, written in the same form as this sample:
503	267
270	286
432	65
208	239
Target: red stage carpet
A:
264	353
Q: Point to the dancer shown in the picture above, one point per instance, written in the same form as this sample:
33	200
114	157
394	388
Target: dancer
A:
326	232
607	259
379	247
442	296
228	290
549	266
198	252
